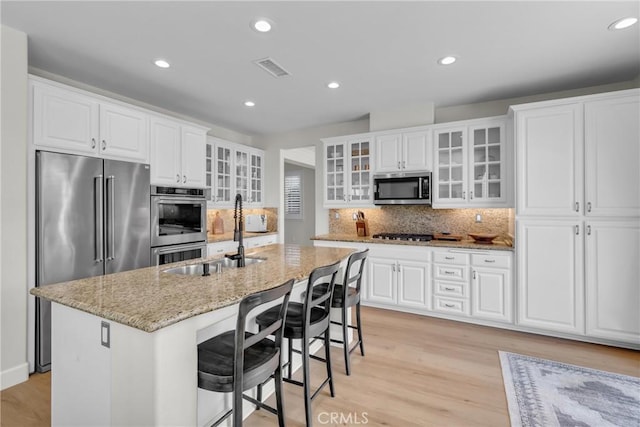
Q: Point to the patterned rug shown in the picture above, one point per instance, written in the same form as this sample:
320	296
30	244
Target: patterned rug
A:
544	393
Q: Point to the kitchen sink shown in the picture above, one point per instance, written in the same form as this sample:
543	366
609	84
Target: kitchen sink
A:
214	266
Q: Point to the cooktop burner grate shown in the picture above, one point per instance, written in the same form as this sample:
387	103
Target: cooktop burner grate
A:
404	236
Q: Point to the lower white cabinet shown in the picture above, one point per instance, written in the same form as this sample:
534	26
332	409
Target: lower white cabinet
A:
612	254
550	275
227	246
491	287
255	242
382	283
393	279
220	248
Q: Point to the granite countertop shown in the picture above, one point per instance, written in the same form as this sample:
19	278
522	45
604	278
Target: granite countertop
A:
463	244
149	299
215	238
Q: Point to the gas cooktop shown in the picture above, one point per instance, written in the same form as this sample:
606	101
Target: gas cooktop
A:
404	236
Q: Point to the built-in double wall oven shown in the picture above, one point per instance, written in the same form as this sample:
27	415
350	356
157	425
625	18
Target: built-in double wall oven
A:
178	224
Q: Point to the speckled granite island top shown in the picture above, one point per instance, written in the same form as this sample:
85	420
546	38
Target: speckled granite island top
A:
149	299
464	244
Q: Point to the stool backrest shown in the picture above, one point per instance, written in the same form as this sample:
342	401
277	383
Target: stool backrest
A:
310	300
248	303
357	278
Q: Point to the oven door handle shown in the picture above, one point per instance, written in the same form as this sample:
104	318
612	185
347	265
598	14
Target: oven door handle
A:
180	200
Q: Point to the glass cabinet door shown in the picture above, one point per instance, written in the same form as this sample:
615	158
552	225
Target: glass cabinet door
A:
360	164
209	172
487	163
242	174
222	175
451	164
335	171
256	178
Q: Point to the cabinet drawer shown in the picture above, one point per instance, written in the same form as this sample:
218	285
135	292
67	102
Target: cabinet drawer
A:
497	261
451	305
451	272
451	289
450	258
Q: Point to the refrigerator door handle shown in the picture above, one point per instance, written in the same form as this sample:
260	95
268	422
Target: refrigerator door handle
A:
99	218
111	253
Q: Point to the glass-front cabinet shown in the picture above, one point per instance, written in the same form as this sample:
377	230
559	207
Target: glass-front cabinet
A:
470	167
348	171
231	169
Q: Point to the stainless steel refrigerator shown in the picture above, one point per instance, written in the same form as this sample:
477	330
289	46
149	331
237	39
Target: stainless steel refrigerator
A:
92	218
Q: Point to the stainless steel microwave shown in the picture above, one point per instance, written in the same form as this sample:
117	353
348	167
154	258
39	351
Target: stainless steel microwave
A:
411	188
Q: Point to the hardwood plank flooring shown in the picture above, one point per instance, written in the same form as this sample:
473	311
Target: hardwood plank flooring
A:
418	371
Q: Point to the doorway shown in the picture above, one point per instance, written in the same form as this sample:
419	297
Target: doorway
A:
299	195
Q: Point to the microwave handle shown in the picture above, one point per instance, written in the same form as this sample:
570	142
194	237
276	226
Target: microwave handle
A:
420	181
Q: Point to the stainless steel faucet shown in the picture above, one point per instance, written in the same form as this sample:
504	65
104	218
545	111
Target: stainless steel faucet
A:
238	229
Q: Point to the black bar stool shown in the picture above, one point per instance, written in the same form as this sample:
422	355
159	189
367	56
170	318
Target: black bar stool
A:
237	360
305	321
344	296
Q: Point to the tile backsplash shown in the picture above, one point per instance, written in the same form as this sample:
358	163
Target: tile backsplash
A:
422	219
227	217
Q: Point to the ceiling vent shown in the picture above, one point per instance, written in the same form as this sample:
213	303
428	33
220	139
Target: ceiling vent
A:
270	66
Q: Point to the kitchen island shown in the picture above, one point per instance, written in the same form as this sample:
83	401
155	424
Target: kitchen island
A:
124	346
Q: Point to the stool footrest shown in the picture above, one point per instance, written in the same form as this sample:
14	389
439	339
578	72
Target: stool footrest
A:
221	419
260	404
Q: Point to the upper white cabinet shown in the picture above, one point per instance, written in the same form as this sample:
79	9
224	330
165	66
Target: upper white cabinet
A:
579	157
177	153
234	169
612	155
471	167
73	121
549	153
348	172
406	151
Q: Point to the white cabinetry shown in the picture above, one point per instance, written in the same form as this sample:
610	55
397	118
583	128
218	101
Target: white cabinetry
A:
177	153
256	242
234	169
471	165
347	178
491	295
399	276
451	282
550	275
73	121
406	151
612	288
577	215
220	248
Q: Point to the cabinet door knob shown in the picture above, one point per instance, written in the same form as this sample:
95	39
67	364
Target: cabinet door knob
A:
398	164
577	230
464	195
470	195
474	275
93	143
577	206
403	164
588	230
104	145
588	206
177	177
184	179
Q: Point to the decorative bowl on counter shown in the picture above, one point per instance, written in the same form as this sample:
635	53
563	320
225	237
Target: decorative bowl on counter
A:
482	238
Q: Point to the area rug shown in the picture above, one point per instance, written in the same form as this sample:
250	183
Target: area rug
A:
544	393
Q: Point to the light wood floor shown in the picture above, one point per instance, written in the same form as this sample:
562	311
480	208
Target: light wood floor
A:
418	371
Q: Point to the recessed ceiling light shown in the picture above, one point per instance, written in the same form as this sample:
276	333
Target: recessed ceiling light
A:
333	85
262	25
249	103
623	23
447	60
162	63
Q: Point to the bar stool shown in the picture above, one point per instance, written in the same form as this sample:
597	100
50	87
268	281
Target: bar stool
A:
305	321
345	296
237	360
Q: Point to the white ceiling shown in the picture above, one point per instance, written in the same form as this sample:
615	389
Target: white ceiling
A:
383	53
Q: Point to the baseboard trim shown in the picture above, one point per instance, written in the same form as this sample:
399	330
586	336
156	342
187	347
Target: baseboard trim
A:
12	376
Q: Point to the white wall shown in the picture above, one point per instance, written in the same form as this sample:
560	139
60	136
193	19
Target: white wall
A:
274	163
13	209
300	231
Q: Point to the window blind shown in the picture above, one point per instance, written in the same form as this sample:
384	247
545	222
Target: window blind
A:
293	195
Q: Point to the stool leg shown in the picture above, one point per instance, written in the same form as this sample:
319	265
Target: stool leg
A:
259	396
345	338
290	350
306	380
327	356
279	401
359	322
237	405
